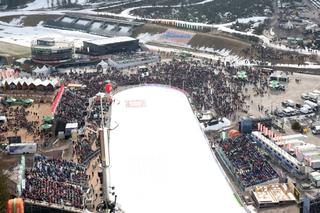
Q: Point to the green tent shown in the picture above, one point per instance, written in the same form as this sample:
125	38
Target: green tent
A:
274	84
11	100
242	75
45	126
28	101
48	119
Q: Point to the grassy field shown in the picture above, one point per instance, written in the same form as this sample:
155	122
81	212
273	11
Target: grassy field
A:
12	50
149	28
218	42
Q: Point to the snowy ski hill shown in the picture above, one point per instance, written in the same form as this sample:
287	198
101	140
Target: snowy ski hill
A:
161	160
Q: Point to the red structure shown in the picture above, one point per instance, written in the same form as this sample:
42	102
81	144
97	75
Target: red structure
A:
108	88
57	99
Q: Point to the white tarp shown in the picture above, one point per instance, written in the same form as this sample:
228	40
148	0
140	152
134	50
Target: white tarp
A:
103	64
160	158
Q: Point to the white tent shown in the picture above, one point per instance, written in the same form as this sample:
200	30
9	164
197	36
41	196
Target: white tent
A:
103	64
3	119
44	70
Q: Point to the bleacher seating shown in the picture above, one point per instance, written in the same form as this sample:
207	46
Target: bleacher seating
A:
250	165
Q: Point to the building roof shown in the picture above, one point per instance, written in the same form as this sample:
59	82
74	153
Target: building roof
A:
28	81
113	40
273	193
279	74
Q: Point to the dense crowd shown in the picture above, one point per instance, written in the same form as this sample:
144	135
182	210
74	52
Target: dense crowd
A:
82	150
264	54
53	192
72	107
17	119
55	181
250	165
210	86
59	170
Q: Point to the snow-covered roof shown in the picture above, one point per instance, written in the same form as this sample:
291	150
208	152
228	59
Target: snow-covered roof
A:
163	150
111	40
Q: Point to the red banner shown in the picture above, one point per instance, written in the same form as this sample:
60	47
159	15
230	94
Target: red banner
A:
57	99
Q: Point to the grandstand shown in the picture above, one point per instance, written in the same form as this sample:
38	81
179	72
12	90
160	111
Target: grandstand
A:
123	61
245	162
56	184
289	162
93	24
161	160
110	45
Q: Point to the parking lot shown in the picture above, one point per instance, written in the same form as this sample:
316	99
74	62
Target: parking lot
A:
272	101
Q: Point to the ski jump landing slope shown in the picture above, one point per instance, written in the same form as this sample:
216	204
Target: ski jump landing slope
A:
160	160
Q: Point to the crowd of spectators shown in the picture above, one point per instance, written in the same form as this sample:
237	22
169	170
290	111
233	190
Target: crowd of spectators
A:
56	182
17	119
250	165
210	85
82	150
59	170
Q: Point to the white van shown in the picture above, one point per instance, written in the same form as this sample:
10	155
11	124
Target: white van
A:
311	104
305	109
315	130
289	111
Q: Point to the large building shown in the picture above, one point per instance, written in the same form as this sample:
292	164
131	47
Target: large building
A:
49	51
110	45
102	26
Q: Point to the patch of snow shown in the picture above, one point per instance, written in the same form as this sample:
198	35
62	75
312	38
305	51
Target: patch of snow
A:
128	10
44	4
147	37
17	21
67	19
96	25
24	35
149	157
83	22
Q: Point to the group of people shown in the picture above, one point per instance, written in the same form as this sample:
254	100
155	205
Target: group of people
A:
250	165
211	86
82	150
17	120
55	181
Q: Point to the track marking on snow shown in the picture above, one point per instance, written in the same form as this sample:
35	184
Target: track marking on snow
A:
135	103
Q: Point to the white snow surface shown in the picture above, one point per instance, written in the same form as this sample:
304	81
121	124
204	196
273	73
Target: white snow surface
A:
24	35
160	158
44	4
127	11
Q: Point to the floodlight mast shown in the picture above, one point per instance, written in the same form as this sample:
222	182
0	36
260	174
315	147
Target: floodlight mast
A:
108	205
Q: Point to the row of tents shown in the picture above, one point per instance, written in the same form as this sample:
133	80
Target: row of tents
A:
29	83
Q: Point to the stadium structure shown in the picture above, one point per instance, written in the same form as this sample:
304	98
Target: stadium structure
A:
110	45
156	141
93	24
51	52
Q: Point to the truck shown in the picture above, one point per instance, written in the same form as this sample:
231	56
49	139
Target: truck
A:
21	148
